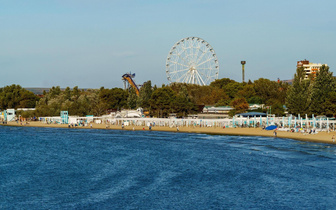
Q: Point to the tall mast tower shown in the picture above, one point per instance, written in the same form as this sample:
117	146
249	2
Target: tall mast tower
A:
243	69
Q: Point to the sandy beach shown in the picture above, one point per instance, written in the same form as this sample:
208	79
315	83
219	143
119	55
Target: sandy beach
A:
321	137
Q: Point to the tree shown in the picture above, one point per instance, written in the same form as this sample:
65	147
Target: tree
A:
266	89
331	105
132	99
115	98
162	102
67	93
75	93
277	108
15	96
77	102
145	94
54	91
229	86
324	87
298	96
247	92
240	105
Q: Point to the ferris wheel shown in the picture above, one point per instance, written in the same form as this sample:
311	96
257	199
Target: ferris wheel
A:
192	60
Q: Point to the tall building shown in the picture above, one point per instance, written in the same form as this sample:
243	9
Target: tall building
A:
310	68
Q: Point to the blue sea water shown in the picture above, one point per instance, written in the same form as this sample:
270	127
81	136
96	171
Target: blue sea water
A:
51	168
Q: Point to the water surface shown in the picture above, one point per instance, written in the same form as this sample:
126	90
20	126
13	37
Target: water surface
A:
51	168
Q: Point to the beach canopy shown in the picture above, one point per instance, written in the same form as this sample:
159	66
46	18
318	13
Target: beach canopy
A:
252	114
271	127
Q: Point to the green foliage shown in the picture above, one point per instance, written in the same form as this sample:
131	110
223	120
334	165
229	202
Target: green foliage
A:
322	94
201	95
165	100
162	101
247	91
277	109
221	83
115	98
240	105
311	96
145	94
132	99
255	100
25	114
330	105
15	96
230	87
222	102
298	96
79	102
266	90
233	112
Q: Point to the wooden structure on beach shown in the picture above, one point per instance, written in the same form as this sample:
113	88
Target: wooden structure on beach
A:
286	123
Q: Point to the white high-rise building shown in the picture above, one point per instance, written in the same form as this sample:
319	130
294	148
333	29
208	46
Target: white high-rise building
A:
310	68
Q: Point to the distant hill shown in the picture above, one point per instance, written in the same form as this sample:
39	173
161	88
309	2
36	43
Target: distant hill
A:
39	91
289	81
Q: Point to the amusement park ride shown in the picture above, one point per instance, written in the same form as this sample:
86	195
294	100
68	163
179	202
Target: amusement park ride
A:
128	80
191	60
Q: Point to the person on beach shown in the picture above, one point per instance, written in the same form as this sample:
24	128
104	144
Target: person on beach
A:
333	138
177	128
275	133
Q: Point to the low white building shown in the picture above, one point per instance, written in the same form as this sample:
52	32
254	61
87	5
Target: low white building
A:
256	106
130	113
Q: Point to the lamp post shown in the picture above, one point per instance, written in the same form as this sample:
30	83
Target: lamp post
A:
243	69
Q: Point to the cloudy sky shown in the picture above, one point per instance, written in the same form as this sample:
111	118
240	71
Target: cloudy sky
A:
92	43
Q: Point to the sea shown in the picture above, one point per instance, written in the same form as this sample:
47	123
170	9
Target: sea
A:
57	168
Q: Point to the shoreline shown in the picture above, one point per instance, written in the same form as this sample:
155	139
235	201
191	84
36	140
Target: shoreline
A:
321	137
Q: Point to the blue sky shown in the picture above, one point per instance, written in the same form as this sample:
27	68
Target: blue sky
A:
93	43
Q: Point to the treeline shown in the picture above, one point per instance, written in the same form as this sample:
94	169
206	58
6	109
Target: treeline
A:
182	99
314	96
14	96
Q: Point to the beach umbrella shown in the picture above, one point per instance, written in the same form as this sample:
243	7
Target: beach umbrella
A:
267	120
328	124
289	120
271	127
260	121
314	122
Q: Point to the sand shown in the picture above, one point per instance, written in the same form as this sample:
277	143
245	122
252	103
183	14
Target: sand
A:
321	137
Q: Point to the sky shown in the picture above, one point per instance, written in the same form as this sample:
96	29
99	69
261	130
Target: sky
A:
92	43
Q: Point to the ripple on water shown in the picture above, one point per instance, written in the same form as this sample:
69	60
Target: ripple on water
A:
73	168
